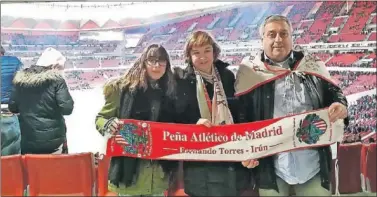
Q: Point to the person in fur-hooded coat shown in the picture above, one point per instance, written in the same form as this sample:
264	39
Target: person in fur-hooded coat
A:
146	92
40	95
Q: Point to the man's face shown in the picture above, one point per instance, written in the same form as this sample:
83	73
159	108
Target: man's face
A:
277	40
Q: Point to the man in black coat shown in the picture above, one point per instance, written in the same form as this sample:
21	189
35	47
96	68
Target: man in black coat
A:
40	95
277	83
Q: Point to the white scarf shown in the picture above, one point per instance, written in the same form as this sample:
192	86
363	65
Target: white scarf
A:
217	110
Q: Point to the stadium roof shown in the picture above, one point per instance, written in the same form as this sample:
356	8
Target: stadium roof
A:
30	23
8	21
70	16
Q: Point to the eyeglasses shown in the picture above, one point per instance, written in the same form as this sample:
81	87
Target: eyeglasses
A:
273	34
152	62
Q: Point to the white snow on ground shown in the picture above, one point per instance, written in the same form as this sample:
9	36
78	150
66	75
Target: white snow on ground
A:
82	135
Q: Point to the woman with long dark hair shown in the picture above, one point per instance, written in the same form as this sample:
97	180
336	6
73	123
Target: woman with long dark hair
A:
145	92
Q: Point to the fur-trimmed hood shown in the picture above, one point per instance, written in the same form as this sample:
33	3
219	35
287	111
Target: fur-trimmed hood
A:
112	85
31	79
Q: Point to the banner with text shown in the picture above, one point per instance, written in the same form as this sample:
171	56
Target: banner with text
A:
238	142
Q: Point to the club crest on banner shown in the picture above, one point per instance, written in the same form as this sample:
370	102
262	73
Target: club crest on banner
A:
137	135
312	127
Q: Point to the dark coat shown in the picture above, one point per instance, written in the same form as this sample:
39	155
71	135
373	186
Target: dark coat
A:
208	178
261	103
41	97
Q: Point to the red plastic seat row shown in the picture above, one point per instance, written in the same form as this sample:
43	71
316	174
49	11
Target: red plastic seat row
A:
68	175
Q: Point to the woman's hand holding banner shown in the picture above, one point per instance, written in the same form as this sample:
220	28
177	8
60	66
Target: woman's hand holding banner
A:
238	142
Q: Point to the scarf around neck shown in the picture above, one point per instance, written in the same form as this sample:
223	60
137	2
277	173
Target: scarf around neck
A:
253	72
217	110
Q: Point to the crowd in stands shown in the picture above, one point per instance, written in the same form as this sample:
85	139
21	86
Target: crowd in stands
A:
84	80
363	116
363	111
79	48
21	39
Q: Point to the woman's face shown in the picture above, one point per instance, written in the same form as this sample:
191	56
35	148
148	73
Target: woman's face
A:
155	68
202	57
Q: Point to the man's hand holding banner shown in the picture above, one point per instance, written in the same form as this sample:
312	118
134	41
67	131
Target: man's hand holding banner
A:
238	142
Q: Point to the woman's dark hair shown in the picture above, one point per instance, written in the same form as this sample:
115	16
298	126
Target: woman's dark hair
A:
137	77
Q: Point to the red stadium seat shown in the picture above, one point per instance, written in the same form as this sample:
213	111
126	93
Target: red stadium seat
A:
349	169
363	165
53	175
371	169
12	176
102	180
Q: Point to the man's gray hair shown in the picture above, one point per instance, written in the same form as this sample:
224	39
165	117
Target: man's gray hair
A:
274	18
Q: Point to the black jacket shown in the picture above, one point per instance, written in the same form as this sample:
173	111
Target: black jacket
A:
208	178
259	105
41	97
151	105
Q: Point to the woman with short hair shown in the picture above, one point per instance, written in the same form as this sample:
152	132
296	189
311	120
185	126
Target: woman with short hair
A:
206	97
